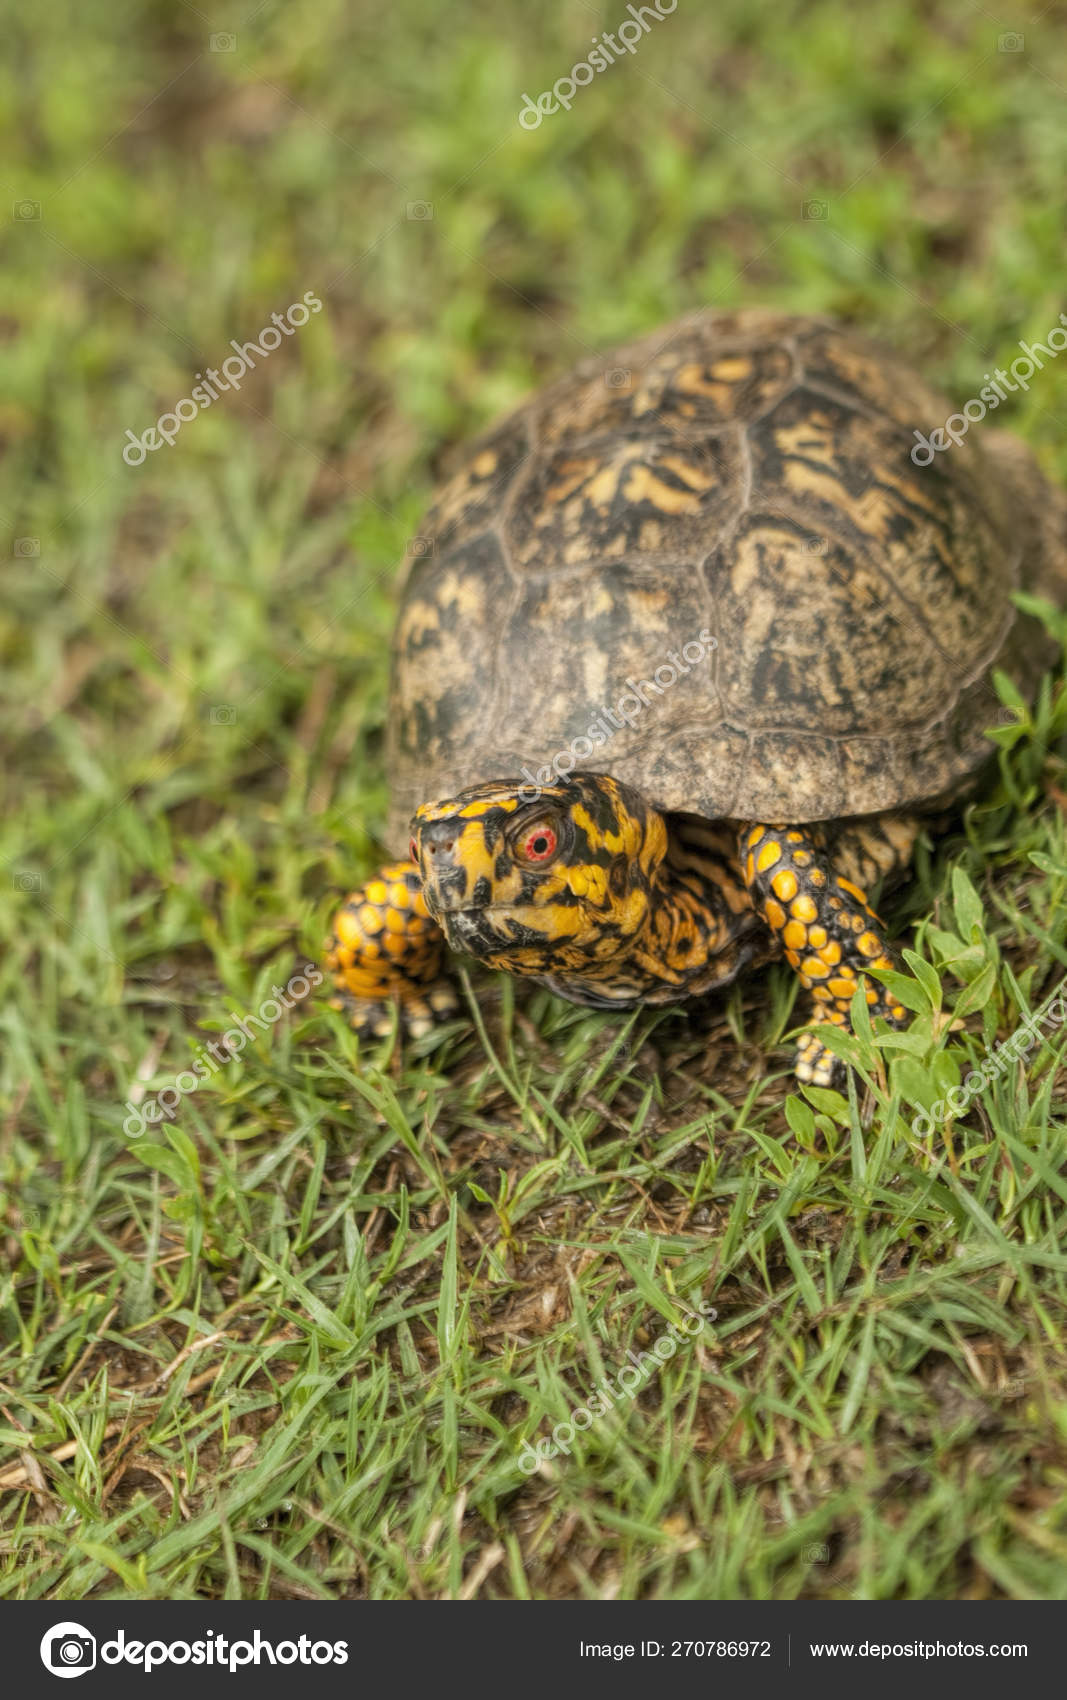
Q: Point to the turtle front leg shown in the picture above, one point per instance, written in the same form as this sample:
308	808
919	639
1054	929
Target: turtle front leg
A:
386	951
827	928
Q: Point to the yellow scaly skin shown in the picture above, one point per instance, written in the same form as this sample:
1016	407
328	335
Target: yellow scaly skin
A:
593	893
386	951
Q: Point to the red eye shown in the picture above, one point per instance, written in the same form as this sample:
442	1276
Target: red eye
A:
540	843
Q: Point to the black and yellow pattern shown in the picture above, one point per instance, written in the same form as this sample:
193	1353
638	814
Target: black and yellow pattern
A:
612	904
708	560
826	927
385	950
622	912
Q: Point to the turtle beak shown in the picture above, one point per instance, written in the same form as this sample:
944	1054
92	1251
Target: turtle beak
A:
469	930
457	895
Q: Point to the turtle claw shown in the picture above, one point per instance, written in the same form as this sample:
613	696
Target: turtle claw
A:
816	1064
417	1013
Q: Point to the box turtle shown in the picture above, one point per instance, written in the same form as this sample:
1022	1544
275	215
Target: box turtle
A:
687	648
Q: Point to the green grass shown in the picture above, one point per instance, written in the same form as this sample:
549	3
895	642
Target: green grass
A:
291	1343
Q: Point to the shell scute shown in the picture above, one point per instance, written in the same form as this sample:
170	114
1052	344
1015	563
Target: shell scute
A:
748	475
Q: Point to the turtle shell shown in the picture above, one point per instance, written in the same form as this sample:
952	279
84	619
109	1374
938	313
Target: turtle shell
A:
749	477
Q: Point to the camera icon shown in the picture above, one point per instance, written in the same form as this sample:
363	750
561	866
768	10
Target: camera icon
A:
27	882
68	1649
419	209
223	42
422	546
816	546
618	378
223	714
816	1552
1011	42
29	1219
26	212
815	209
26	547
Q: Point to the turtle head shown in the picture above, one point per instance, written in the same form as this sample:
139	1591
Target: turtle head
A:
527	885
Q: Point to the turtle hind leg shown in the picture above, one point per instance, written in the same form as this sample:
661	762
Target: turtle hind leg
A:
824	923
387	954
